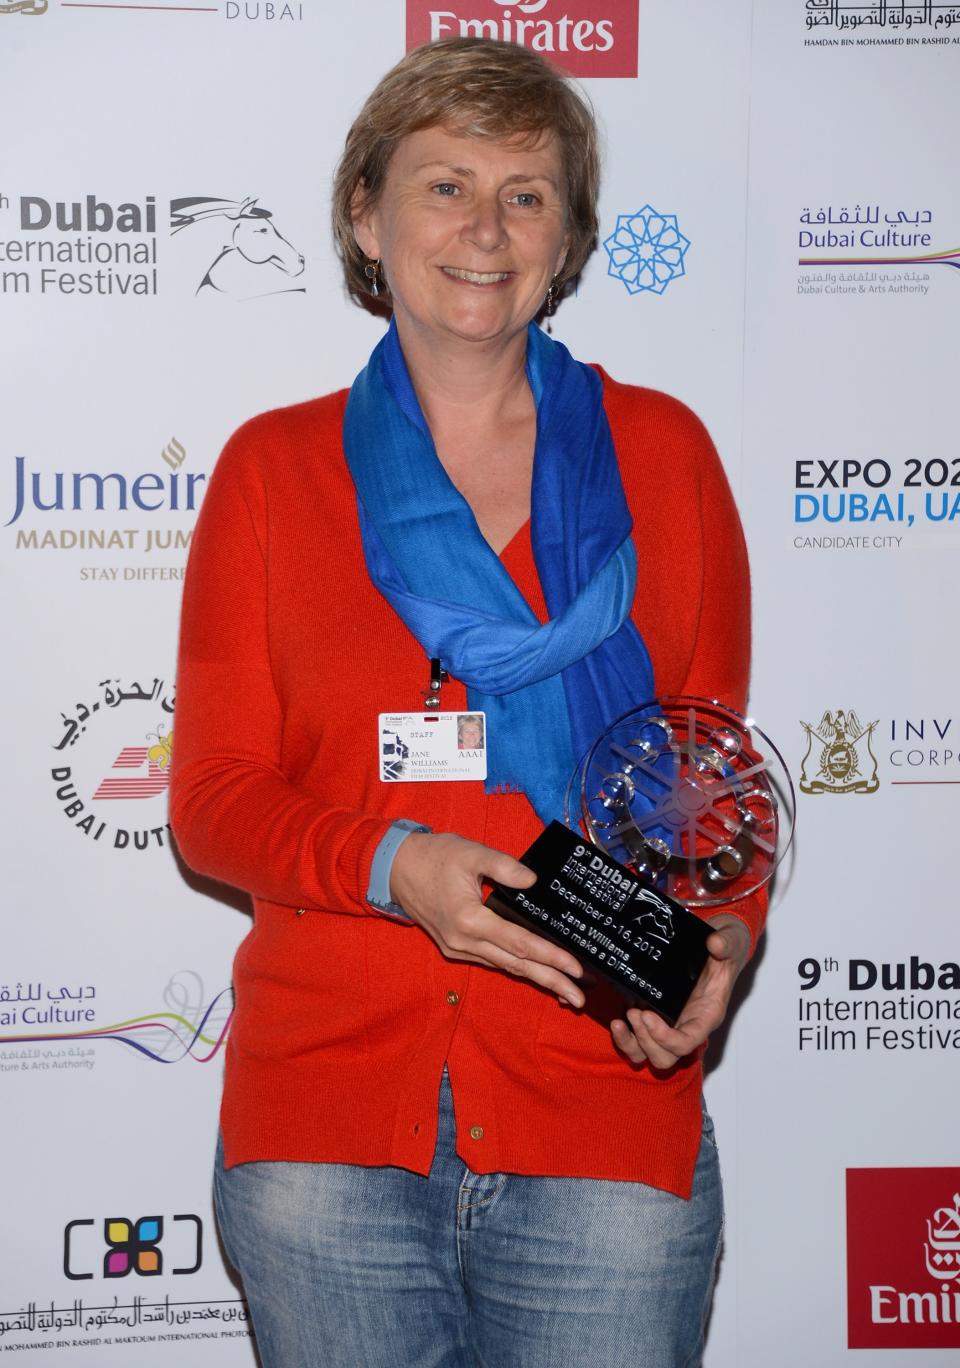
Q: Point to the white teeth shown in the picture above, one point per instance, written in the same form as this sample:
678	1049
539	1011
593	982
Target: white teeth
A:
477	277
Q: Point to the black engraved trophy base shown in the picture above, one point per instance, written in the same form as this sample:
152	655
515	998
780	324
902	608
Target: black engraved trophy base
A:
620	928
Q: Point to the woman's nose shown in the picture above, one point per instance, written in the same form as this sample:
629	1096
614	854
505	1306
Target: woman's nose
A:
485	224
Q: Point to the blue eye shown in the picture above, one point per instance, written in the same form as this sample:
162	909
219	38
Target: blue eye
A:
526	199
446	188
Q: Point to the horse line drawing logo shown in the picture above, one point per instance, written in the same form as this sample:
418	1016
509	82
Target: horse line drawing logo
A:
248	260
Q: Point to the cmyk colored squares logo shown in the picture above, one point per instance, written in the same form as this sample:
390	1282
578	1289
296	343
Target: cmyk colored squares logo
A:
133	1246
647	251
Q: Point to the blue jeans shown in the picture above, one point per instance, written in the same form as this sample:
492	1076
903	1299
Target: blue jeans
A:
350	1267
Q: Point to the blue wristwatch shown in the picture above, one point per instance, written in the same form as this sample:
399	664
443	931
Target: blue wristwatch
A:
378	892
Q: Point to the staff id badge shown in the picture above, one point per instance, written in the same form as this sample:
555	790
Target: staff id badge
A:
423	747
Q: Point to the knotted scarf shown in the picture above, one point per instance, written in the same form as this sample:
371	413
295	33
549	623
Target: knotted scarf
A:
548	689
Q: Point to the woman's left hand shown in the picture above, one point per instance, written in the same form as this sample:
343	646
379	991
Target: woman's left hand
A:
646	1036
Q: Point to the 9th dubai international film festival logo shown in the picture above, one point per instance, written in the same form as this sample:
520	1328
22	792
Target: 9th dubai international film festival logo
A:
94	246
646	251
903	1258
119	746
839	756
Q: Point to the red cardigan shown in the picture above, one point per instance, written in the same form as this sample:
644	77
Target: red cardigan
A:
345	1017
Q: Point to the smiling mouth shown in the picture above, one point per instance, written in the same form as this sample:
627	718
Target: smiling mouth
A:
477	277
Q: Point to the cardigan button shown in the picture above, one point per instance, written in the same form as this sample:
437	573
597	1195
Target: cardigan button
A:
476	1132
300	911
453	998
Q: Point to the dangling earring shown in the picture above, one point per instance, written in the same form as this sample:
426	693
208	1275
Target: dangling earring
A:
372	272
550	303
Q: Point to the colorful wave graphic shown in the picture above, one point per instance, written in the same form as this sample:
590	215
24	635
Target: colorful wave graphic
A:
164	1037
951	258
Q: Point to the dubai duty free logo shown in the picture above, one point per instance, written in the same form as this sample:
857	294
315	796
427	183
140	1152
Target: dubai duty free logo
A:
646	251
903	1258
119	763
839	756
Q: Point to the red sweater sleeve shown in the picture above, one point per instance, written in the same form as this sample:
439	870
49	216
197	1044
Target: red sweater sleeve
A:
234	814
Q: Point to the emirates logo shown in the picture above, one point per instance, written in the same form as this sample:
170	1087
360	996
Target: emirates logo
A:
903	1289
583	37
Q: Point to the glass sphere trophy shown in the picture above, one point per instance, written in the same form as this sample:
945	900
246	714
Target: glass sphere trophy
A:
680	808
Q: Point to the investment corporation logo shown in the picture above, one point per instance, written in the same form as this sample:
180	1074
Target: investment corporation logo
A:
841	752
130	1246
646	251
839	757
903	1258
872	250
112	764
882	23
94	246
584	37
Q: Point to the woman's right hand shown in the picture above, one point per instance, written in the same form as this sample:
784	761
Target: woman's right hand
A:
436	879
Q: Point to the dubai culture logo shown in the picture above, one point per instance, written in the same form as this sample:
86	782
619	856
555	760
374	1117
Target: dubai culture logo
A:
646	251
188	1026
873	235
839	756
245	254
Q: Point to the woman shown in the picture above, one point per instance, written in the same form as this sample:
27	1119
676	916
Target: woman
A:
431	1153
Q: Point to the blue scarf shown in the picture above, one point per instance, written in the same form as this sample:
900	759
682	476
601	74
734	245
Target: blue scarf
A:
548	689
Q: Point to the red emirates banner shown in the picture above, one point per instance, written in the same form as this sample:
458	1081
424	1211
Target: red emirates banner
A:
903	1258
584	37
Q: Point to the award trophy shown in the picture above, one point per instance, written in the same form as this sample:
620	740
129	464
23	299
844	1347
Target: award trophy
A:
682	806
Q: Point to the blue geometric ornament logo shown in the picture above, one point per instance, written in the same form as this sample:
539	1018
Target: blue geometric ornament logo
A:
646	250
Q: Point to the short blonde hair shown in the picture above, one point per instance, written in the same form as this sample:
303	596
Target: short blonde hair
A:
484	89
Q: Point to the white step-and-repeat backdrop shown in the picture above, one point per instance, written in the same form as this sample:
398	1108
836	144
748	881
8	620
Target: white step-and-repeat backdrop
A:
781	249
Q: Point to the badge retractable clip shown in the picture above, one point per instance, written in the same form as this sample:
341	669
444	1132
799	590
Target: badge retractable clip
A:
438	677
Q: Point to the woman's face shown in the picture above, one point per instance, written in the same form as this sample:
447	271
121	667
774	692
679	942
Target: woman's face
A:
470	233
470	736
